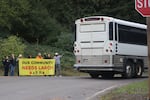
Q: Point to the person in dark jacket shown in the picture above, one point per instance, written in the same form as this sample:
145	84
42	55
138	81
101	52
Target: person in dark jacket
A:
6	64
48	56
12	64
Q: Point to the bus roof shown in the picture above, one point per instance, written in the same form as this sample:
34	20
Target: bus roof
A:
111	19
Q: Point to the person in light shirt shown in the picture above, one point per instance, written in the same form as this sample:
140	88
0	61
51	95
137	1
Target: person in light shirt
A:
57	58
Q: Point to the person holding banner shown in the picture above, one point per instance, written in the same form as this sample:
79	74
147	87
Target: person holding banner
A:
19	57
49	56
57	64
39	56
12	64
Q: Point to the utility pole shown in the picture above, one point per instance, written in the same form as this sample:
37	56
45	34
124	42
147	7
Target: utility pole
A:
143	7
148	43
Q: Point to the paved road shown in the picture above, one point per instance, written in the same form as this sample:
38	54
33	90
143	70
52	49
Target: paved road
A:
56	88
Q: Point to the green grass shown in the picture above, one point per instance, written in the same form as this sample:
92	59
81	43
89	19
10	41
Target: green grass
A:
134	91
71	72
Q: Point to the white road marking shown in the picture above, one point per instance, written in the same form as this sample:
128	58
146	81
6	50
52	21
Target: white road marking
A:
93	97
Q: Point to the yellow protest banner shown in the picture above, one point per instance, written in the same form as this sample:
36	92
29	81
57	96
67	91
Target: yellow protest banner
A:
36	67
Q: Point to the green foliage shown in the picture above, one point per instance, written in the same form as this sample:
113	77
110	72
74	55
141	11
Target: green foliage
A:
34	49
43	21
11	14
67	60
10	45
65	41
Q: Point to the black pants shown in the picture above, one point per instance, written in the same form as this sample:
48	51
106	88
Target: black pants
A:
6	69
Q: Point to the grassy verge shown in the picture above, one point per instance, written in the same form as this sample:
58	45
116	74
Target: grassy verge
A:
134	91
71	72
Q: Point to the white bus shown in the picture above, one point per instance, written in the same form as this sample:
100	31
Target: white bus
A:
107	46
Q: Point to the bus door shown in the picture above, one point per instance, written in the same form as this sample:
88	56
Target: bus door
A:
98	38
85	39
92	38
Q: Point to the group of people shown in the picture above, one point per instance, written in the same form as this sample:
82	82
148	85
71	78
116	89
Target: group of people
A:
11	62
57	58
45	56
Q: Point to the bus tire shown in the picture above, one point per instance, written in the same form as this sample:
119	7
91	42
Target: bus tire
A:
138	69
128	73
94	75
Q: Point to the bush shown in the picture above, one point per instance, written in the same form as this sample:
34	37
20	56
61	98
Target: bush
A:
65	41
67	60
10	45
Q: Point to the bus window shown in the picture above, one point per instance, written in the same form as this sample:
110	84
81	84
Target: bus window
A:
97	27
132	35
116	38
75	31
111	31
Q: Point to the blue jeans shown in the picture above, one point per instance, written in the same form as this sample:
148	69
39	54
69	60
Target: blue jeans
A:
12	70
57	69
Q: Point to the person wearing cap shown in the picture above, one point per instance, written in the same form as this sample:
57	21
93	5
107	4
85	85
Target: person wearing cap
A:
57	58
39	56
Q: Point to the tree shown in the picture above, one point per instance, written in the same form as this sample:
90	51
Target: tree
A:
65	41
10	45
42	21
12	13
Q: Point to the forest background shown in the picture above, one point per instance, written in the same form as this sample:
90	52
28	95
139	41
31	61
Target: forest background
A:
47	26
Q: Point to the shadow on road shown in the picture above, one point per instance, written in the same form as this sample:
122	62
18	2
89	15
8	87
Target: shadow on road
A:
114	78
